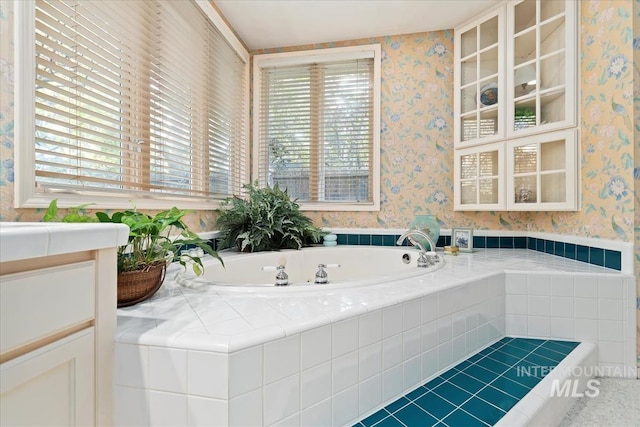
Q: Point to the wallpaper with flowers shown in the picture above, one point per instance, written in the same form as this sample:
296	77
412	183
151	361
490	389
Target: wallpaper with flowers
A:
417	133
636	168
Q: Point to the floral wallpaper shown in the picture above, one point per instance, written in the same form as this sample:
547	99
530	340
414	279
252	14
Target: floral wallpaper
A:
417	133
636	169
6	108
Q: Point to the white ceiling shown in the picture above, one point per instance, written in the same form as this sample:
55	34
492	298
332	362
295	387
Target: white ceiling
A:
280	23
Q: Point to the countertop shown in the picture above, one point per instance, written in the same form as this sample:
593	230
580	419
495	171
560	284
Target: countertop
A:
24	240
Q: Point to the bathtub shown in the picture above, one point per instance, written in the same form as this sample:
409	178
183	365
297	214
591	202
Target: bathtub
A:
347	266
265	355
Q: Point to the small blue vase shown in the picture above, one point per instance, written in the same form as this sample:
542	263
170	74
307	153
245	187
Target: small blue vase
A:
429	225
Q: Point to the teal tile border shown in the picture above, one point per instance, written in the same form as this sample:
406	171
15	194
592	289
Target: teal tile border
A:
590	254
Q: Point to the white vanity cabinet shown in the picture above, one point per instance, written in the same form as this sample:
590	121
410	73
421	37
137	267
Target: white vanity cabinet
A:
515	89
57	323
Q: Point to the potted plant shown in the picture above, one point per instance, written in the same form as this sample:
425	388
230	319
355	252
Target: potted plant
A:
152	245
266	220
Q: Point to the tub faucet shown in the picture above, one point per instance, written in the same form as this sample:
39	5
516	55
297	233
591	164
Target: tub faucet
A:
322	278
423	259
282	278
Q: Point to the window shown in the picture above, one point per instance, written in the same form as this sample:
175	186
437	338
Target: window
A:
316	126
143	100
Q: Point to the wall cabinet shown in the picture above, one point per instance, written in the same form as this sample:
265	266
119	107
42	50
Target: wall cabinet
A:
515	85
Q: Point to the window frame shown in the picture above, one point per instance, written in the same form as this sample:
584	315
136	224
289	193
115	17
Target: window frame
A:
309	57
25	195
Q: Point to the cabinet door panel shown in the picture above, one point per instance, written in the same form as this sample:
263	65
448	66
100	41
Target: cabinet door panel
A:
51	386
71	286
479	74
541	64
478	178
542	172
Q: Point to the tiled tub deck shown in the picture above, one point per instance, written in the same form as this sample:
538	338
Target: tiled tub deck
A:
192	357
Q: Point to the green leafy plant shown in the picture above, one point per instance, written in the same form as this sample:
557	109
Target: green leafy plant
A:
266	220
152	239
74	214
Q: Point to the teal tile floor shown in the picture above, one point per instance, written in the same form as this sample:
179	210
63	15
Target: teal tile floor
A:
478	391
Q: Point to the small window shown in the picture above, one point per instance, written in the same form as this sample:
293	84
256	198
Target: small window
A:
316	126
146	102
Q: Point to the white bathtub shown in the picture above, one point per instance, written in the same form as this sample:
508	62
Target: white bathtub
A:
348	266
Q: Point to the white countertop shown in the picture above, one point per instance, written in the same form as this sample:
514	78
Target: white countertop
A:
199	318
24	240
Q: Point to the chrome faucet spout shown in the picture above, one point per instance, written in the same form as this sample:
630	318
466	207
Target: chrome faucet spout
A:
419	233
424	260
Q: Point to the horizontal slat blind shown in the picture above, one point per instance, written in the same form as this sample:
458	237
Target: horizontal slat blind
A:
316	130
140	98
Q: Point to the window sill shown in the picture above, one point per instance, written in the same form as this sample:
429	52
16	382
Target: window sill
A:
338	206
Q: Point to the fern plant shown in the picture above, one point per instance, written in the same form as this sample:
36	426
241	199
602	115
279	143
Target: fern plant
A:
266	220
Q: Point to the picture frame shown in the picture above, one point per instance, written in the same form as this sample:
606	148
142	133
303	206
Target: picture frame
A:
462	238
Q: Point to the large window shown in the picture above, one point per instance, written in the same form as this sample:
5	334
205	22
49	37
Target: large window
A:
137	100
316	126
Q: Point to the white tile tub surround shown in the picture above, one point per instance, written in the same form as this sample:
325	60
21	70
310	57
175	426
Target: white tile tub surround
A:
329	357
348	368
582	307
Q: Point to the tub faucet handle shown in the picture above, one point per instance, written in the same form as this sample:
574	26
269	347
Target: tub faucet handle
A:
321	276
424	260
282	278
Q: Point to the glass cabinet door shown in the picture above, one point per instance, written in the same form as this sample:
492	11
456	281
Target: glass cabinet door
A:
479	74
541	56
542	172
479	178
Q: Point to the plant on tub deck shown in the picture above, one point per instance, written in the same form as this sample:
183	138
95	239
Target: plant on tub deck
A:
152	244
151	241
266	220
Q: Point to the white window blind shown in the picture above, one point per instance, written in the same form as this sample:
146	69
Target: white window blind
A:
142	99
316	130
